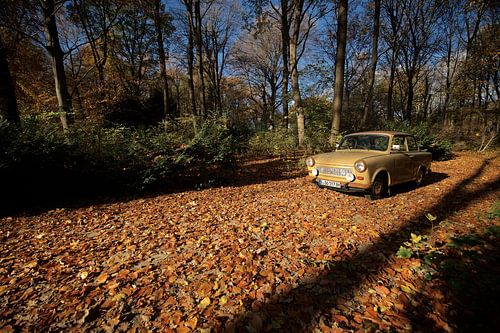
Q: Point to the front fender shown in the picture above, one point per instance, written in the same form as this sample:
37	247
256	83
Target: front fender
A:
378	172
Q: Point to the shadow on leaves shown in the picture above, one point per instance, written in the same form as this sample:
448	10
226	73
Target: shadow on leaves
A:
38	191
466	276
299	308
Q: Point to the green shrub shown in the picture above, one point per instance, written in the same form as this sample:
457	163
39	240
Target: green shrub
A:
39	154
494	212
318	139
212	144
277	142
438	145
33	145
318	114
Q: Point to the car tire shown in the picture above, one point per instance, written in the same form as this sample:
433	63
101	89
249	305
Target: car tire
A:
378	188
420	177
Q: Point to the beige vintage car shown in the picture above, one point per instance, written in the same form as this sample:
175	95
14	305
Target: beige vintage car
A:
370	162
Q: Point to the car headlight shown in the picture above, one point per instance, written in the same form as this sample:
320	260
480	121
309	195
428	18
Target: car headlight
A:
310	162
315	172
360	166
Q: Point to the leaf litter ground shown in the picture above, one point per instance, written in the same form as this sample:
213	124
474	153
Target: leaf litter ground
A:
267	254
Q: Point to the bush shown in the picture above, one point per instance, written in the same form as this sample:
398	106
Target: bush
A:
213	144
33	145
438	145
39	160
318	124
278	142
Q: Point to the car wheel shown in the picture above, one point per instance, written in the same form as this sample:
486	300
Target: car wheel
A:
420	177
378	189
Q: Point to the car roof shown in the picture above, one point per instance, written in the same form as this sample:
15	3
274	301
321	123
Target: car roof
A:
382	132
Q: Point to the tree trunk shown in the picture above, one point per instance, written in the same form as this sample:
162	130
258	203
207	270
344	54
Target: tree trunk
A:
265	108
409	99
445	114
339	68
8	102
496	85
161	55
427	98
390	91
190	52
199	58
272	102
297	98
368	109
285	42
57	56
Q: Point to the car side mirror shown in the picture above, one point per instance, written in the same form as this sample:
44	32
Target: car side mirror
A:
396	147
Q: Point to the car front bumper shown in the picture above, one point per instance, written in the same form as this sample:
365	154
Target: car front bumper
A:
345	187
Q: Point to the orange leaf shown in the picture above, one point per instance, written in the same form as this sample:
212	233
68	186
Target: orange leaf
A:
382	290
182	329
101	278
191	323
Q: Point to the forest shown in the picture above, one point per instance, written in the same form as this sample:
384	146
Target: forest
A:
134	91
153	166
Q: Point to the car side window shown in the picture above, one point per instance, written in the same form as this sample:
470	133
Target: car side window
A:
412	143
398	143
380	143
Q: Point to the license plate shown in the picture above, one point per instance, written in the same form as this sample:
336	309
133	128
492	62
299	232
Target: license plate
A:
329	183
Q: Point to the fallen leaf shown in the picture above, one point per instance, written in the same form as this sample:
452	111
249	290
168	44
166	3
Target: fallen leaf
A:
182	329
430	217
406	289
113	285
382	290
101	278
223	300
3	288
191	323
31	264
204	303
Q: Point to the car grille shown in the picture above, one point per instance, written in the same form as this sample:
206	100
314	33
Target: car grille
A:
340	172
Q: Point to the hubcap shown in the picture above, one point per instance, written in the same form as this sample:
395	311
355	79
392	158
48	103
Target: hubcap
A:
420	176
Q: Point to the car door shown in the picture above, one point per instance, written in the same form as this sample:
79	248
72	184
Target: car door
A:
413	153
403	163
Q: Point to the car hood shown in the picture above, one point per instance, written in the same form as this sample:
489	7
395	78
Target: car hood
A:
345	157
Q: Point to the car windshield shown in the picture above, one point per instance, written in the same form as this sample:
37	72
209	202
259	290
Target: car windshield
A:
365	141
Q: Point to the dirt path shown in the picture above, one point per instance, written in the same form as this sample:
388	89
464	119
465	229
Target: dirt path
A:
271	256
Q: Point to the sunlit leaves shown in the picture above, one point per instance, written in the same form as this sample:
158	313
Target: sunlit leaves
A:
202	260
